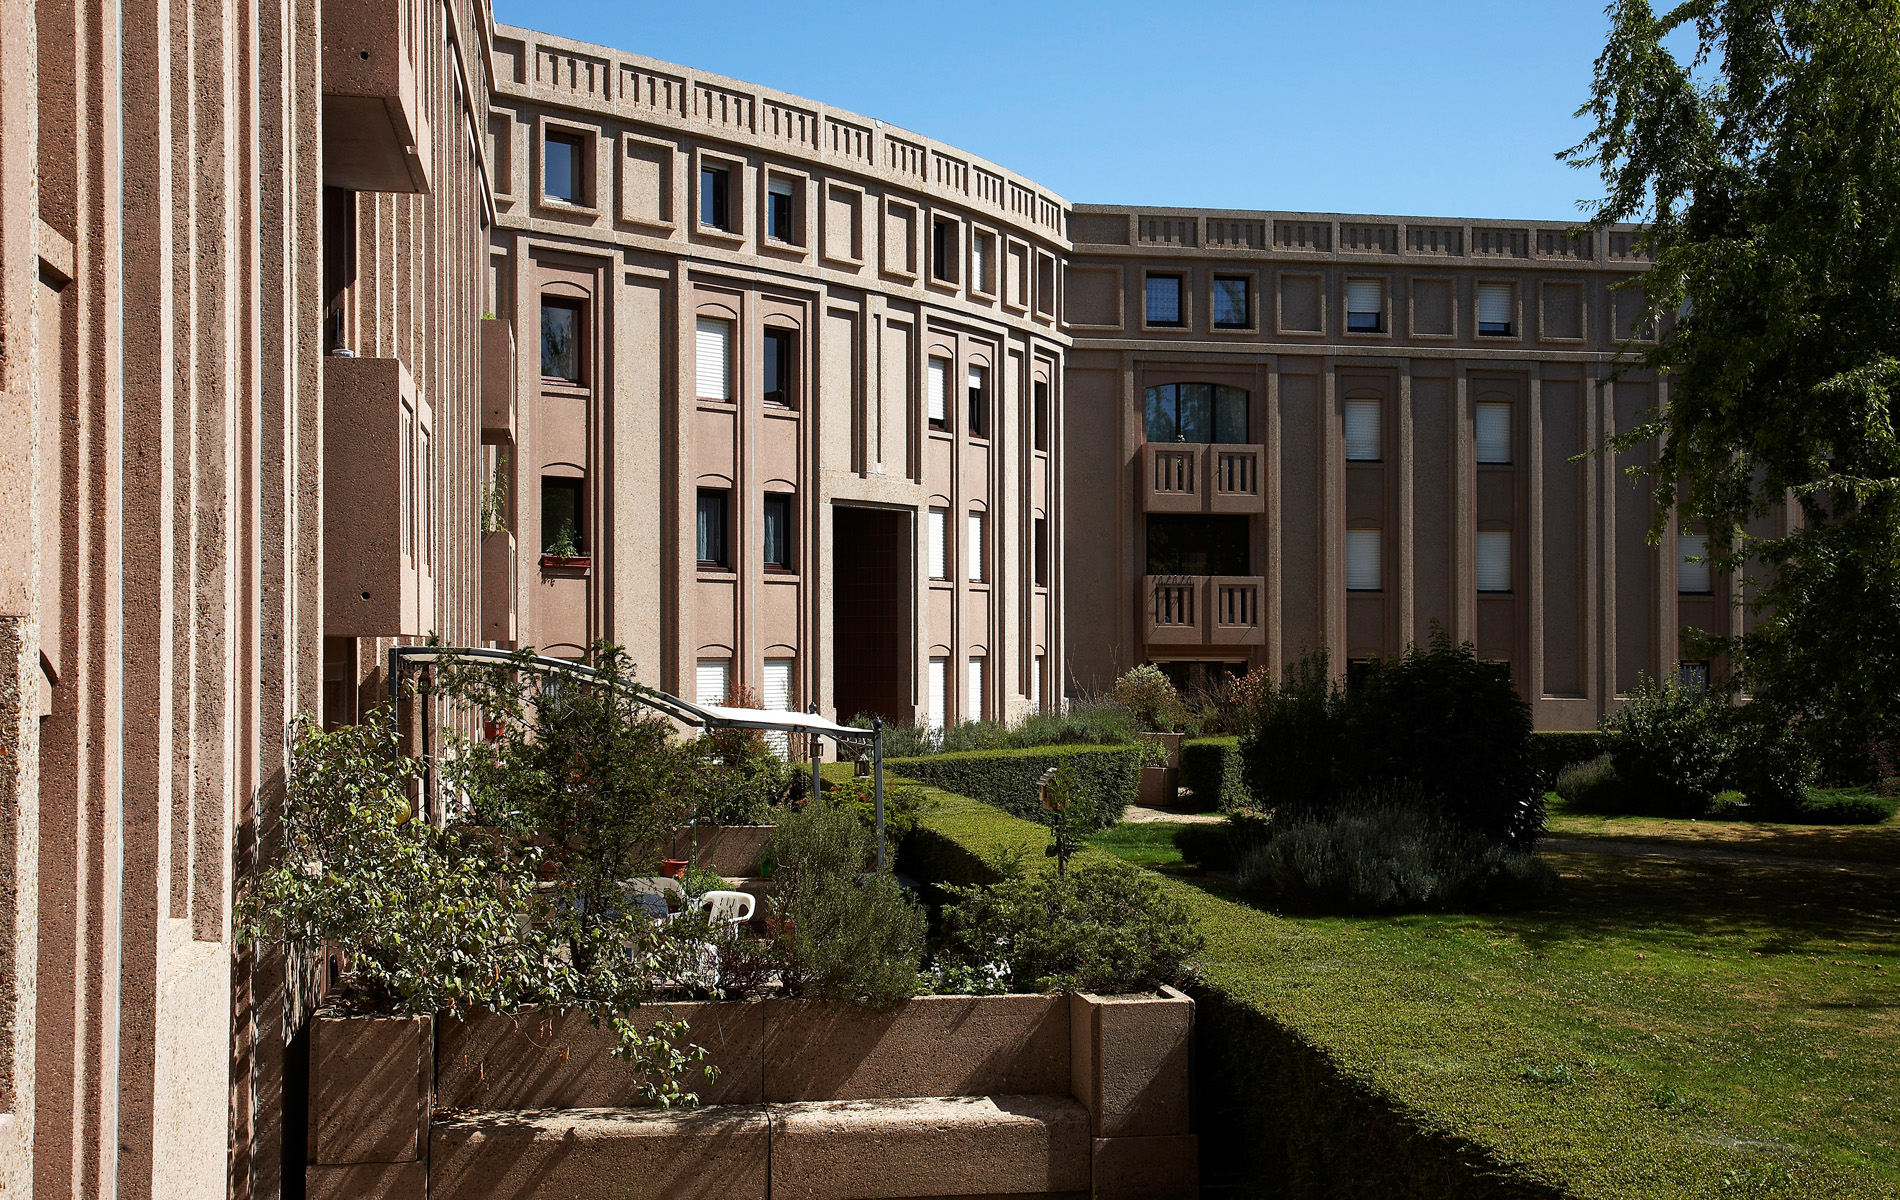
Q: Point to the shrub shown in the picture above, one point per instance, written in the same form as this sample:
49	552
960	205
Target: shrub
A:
1221	846
1108	776
1592	786
902	804
1081	724
1386	853
1557	749
1148	693
1211	767
1105	928
1843	806
1675	748
845	934
1294	736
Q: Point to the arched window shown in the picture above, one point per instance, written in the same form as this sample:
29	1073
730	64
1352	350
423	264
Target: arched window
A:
1197	412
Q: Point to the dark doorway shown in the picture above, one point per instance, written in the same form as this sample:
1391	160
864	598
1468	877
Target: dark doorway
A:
871	584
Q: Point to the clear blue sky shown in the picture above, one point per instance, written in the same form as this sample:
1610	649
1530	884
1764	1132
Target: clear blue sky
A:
1380	106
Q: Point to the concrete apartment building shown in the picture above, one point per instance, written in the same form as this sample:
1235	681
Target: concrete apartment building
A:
331	325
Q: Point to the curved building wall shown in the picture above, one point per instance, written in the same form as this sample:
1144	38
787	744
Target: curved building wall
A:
866	262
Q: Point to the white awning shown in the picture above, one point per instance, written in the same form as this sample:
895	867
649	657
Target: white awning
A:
769	719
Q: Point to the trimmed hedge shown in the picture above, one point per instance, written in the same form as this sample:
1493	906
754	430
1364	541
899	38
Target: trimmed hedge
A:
1108	775
1556	749
1211	767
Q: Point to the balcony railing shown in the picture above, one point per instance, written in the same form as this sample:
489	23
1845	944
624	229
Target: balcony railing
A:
1195	478
1204	610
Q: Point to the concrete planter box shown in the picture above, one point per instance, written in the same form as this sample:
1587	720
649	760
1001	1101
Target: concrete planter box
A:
958	1095
1171	742
1160	787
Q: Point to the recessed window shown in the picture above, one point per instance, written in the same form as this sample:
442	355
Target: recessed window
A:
1494	560
561	341
1491	424
939	373
712	680
973	703
715	198
1185	544
1233	303
939	543
1362	430
979	542
561	169
982	259
781	348
1495	309
979	401
1197	412
1164	300
714	506
1042	551
1692	571
563	534
713	359
1365	306
778	211
1693	677
778	531
945	250
1041	415
1364	560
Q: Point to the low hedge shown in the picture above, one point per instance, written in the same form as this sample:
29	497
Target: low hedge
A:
1108	775
1210	766
1556	749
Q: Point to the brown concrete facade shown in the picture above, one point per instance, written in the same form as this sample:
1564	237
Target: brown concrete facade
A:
1401	406
880	274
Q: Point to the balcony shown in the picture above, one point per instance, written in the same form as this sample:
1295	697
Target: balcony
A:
1204	610
1194	478
375	131
375	583
499	623
498	381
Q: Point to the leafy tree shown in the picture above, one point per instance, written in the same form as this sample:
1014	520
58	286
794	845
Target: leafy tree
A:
1764	167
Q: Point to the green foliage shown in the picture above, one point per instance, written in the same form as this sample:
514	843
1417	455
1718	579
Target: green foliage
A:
566	542
1675	748
1844	806
1105	928
1081	724
1212	769
845	934
1592	787
1388	853
1755	144
1436	721
1069	813
902	804
494	513
1148	693
1221	846
1554	750
1109	777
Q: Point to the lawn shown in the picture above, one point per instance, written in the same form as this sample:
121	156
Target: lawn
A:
1863	843
1664	1029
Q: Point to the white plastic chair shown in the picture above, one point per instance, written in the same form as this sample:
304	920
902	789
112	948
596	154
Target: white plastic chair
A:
731	909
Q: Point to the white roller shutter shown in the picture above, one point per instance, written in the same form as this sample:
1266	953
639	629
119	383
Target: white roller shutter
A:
939	689
1494	303
1035	687
1364	296
715	359
1494	560
1362	431
978	559
1363	560
980	262
778	698
1493	428
973	703
939	544
1692	578
940	390
713	673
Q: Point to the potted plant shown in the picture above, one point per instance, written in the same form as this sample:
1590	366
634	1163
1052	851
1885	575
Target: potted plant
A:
565	550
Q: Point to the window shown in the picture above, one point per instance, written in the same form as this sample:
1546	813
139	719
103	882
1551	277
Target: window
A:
1164	300
1035	686
979	545
778	210
778	531
778	698
713	680
1693	677
1693	578
1494	560
982	251
939	393
1183	544
339	265
780	349
973	703
939	543
1233	308
561	169
561	341
1041	415
1363	442
712	528
979	401
1197	412
713	359
1494	310
945	253
715	198
1365	306
1492	425
1042	552
562	534
938	701
1364	560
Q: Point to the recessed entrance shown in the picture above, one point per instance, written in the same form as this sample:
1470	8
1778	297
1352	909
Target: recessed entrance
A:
871	585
